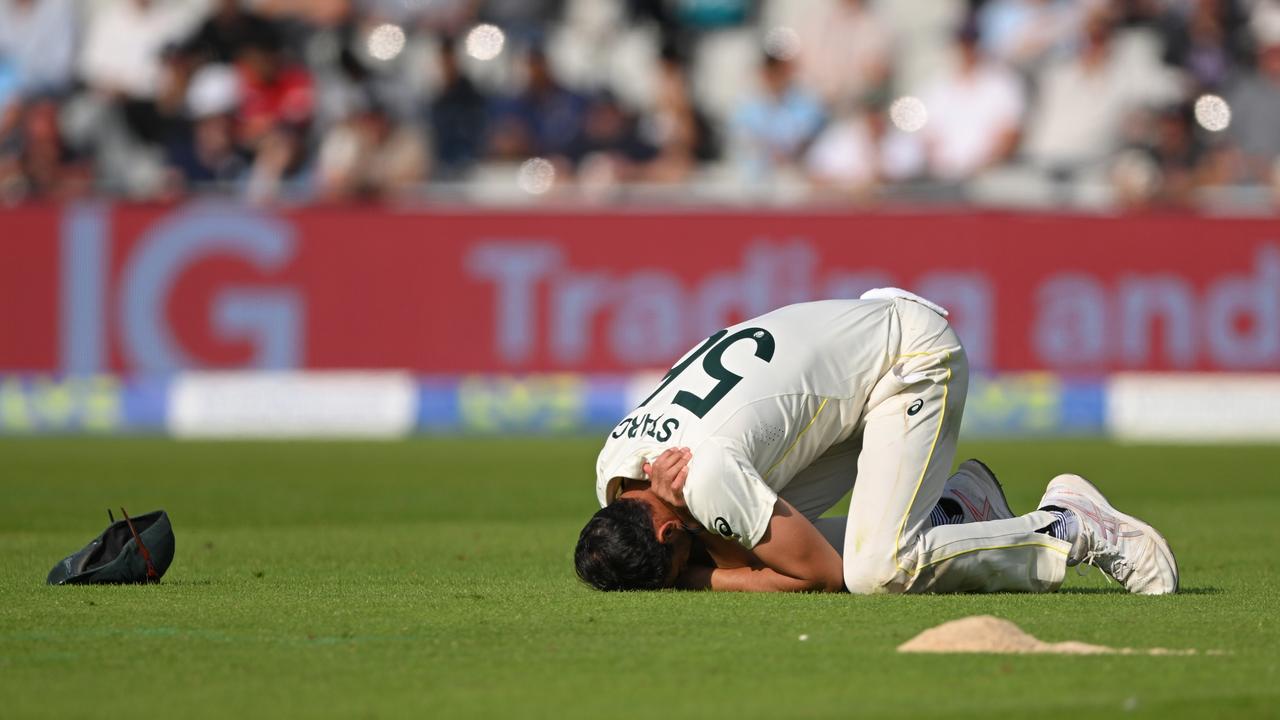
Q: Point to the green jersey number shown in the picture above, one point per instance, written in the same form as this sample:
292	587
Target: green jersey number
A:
712	353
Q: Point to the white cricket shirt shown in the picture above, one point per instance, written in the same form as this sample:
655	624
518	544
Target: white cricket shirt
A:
757	403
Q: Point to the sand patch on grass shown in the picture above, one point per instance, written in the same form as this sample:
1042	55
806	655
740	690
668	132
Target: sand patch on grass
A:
988	634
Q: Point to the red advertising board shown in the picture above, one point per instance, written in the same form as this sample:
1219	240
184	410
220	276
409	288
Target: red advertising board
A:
155	289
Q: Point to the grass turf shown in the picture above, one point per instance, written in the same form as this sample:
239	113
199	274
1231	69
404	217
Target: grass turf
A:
433	578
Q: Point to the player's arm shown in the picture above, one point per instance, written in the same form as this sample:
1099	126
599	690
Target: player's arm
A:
666	475
791	557
722	553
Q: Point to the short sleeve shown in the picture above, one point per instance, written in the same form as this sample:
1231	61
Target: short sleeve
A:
726	494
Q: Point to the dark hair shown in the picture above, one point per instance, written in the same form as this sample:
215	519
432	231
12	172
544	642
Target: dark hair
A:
619	550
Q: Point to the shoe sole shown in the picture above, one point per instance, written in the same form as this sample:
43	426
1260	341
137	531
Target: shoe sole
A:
984	472
1080	486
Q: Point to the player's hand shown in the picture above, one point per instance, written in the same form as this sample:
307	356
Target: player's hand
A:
668	473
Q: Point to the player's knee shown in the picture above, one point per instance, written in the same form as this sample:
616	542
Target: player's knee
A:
869	575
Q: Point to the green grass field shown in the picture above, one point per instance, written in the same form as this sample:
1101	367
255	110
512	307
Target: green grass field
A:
433	578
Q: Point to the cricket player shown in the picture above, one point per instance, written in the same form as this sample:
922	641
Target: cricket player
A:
718	479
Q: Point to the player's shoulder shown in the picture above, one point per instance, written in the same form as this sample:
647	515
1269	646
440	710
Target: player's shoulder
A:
716	458
725	493
802	319
822	307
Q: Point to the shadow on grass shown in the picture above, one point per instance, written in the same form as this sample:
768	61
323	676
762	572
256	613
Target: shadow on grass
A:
1117	590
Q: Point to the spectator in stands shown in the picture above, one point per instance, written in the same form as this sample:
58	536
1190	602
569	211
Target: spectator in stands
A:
37	37
1204	43
975	113
457	118
1024	34
774	127
844	51
1255	118
544	119
227	32
123	58
35	160
369	157
611	133
1084	101
681	132
1095	67
277	102
1206	38
203	153
276	92
1175	158
347	75
846	155
860	150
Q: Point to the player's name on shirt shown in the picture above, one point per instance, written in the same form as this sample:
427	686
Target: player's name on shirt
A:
659	428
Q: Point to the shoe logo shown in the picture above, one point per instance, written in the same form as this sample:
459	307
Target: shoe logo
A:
978	515
722	527
915	407
1108	525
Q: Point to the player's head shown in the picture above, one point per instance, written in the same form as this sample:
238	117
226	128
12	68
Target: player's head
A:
634	543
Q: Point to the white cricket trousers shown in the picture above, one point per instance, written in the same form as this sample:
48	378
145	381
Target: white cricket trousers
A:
908	439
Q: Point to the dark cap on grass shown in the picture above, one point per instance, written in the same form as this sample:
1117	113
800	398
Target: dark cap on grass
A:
132	550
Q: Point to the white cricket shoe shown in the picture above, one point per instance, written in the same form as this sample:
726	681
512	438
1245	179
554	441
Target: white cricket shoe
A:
1122	546
975	488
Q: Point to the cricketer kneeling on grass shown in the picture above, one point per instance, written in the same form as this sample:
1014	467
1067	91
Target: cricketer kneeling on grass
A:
718	480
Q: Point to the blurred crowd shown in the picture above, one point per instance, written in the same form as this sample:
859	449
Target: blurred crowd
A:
1049	102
